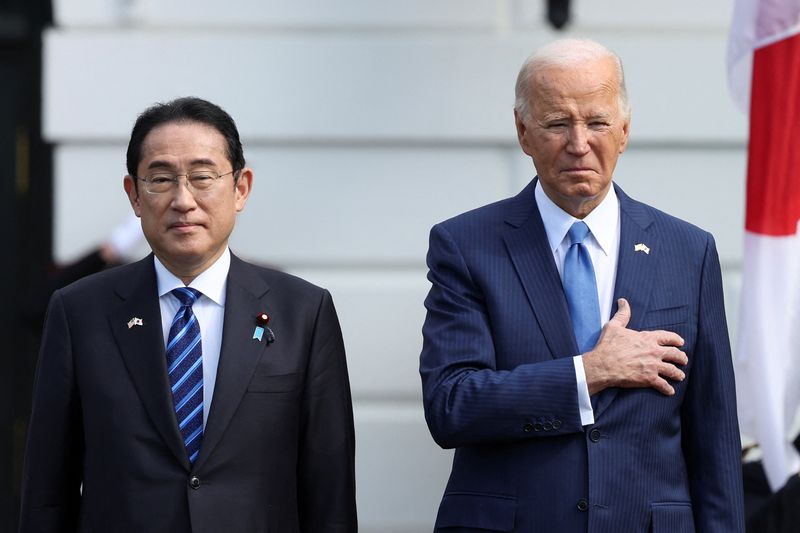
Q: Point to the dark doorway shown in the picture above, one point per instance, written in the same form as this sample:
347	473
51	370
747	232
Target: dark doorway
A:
25	218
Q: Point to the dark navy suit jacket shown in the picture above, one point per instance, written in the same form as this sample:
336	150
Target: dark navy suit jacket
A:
499	383
104	451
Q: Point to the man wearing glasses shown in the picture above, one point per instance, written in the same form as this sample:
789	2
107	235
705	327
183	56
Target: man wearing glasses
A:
191	391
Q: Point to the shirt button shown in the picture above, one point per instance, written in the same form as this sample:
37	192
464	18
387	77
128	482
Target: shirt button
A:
194	482
583	505
594	435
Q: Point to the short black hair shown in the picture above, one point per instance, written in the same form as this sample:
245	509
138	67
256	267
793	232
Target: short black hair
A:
186	109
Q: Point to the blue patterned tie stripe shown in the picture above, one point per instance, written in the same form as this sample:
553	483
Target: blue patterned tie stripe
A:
185	367
580	288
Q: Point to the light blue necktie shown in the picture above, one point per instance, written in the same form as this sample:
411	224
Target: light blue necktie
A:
580	287
185	366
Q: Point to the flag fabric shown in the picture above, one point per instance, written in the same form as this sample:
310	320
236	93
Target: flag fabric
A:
764	77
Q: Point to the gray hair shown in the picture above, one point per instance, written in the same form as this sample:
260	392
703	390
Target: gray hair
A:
566	52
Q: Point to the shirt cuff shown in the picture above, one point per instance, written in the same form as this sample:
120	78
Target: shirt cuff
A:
584	401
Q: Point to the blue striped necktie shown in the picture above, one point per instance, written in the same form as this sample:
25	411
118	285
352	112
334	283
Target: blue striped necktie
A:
580	288
185	366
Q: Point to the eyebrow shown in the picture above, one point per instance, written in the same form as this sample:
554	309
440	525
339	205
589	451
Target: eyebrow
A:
158	163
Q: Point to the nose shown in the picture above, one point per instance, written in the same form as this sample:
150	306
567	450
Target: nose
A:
578	140
182	198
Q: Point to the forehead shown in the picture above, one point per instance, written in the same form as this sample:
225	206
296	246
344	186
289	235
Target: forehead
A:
589	84
176	143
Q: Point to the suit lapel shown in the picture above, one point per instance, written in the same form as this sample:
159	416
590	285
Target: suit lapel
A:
636	269
527	244
239	353
142	349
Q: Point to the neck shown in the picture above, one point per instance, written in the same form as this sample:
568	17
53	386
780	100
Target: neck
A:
577	206
187	271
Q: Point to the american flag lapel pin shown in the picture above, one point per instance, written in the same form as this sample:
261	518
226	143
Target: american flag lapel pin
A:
135	321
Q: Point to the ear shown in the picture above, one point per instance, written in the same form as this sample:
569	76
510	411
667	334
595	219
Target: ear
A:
129	184
522	133
243	186
626	128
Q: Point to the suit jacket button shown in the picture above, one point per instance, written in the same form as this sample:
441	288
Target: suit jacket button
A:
583	505
527	427
594	435
194	482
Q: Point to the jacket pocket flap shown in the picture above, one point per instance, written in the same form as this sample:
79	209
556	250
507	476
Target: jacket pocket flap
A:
275	383
674	517
481	511
661	318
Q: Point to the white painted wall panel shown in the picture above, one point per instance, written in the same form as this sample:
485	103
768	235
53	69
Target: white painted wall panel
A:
632	15
362	206
381	314
90	12
400	472
732	287
418	88
306	14
88	198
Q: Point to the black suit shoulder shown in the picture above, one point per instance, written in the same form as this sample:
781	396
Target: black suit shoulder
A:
283	281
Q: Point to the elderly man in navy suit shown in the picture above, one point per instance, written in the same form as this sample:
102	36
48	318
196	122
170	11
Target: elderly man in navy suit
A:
190	392
575	348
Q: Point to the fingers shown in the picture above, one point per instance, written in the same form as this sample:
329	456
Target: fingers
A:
667	338
663	387
673	355
623	314
671	372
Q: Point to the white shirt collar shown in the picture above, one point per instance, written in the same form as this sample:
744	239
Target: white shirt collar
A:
602	221
211	282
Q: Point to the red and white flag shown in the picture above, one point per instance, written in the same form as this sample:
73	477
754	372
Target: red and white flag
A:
764	76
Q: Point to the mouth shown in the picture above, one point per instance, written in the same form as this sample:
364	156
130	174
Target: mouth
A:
577	170
184	227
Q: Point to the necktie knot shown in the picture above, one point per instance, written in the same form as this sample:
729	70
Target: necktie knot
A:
578	232
187	296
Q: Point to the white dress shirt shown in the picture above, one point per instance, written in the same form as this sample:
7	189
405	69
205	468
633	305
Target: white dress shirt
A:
209	310
602	243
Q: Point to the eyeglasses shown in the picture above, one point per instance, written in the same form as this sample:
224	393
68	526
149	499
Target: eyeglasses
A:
197	181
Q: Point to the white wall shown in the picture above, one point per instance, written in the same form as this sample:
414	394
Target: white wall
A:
366	122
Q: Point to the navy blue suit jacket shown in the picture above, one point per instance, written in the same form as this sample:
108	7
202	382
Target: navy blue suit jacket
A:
499	383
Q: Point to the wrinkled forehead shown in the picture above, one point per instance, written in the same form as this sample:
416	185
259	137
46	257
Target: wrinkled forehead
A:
575	78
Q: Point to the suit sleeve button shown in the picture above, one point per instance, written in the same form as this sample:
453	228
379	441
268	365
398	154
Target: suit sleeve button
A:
583	505
556	423
194	482
594	435
548	426
537	427
527	427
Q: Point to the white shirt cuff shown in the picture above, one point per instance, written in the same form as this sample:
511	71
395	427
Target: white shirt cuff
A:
584	401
